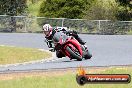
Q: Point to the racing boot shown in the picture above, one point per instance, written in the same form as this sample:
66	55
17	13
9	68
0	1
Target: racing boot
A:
75	35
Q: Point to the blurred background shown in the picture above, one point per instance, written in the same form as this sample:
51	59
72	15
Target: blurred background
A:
84	16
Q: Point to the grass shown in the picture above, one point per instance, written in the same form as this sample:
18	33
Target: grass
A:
63	80
10	55
130	32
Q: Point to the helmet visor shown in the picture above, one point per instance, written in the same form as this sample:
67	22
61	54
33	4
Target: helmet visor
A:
46	32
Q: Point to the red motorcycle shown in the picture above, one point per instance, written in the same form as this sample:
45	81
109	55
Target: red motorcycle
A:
69	46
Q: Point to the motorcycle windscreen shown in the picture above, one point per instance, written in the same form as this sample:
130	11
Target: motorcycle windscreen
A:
59	36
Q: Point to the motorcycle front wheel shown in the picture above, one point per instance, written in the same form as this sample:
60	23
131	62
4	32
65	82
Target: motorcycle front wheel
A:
74	54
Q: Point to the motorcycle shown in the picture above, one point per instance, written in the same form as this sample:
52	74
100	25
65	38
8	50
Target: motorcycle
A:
68	46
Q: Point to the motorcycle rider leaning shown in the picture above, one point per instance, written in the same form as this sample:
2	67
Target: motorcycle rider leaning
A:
49	33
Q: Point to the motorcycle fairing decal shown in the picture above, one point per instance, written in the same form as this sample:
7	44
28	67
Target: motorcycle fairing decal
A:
75	44
67	53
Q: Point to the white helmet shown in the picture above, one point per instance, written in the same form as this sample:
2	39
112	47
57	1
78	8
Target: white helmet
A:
47	27
47	30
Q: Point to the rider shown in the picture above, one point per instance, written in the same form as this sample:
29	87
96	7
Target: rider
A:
50	31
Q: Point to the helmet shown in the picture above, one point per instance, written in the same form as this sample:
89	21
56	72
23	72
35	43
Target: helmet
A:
47	29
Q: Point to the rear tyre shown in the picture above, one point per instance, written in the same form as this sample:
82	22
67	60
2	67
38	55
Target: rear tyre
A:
73	54
88	55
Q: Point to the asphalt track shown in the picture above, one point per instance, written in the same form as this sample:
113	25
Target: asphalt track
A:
107	50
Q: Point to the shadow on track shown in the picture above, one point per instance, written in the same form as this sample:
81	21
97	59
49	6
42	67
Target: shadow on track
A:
65	61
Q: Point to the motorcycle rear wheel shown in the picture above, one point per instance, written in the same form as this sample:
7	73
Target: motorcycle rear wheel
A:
88	55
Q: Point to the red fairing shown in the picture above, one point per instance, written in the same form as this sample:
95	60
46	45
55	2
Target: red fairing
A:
74	43
60	41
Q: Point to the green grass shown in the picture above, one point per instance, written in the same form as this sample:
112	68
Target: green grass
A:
67	80
130	32
9	55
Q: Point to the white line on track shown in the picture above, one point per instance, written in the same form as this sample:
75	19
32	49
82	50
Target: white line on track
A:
52	60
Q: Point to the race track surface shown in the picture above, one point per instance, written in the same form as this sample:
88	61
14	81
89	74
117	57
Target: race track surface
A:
106	50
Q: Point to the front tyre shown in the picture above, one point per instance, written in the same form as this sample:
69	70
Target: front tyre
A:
73	54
